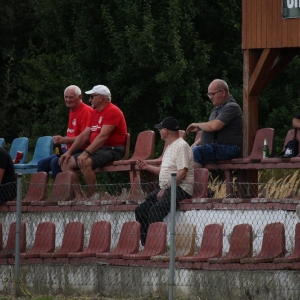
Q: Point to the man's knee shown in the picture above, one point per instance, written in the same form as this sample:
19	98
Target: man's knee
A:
137	213
157	214
140	211
70	165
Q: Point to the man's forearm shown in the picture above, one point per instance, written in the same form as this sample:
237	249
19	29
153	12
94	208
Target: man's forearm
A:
68	140
181	175
79	142
153	169
96	144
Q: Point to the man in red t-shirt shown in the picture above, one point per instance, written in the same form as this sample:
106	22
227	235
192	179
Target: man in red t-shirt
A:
79	118
106	134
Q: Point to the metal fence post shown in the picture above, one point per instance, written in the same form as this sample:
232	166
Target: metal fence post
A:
172	236
18	234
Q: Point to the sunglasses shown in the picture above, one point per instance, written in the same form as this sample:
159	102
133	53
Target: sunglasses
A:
95	95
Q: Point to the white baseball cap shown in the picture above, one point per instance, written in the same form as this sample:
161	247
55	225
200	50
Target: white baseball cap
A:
99	89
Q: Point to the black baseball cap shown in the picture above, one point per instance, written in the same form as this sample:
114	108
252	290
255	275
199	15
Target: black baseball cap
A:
169	123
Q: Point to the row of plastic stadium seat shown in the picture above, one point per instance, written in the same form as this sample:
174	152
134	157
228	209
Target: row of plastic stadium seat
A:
63	190
18	144
255	160
256	155
240	250
2	142
144	149
43	148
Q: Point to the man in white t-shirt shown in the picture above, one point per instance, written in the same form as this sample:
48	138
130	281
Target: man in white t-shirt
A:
177	158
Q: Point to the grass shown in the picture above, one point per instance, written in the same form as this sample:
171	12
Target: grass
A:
74	298
271	183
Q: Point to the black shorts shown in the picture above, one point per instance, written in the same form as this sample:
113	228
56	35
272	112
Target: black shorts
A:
104	155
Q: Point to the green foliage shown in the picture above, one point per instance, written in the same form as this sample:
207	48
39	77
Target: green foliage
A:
157	57
280	102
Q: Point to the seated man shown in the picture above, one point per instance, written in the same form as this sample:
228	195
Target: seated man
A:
296	121
106	133
177	158
8	180
79	118
222	135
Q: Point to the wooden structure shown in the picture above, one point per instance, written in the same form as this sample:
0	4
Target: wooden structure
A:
269	43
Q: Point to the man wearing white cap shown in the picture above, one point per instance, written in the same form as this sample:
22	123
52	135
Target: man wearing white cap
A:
106	134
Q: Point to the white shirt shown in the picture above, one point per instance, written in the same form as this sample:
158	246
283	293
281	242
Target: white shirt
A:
178	156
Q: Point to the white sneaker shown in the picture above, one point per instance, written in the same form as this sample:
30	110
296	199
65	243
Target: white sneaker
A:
95	197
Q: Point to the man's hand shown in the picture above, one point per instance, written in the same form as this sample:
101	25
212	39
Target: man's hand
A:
194	127
64	158
58	139
81	159
142	165
160	194
197	143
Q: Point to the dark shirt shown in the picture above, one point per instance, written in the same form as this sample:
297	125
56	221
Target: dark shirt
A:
8	188
231	115
7	164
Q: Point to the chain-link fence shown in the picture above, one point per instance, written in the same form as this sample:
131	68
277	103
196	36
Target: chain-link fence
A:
220	246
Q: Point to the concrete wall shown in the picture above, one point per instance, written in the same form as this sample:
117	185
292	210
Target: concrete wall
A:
136	281
132	282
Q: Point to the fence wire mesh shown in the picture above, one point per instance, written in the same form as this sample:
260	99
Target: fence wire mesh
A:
238	241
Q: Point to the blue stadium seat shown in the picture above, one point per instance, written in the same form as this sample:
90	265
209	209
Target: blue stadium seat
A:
43	148
19	144
2	142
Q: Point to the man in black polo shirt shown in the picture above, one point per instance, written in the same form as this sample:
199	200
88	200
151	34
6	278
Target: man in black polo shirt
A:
8	187
222	135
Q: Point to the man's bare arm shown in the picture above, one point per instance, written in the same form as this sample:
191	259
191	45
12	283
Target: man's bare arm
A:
211	126
142	165
296	123
97	143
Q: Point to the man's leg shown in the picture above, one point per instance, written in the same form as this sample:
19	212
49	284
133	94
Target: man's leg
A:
224	152
44	164
161	209
71	166
142	213
55	167
196	165
89	176
97	159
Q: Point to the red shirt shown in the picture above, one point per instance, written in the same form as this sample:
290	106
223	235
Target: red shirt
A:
110	115
79	119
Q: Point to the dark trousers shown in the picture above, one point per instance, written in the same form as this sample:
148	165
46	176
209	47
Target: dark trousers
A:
152	210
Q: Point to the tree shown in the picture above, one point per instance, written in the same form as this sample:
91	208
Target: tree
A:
157	57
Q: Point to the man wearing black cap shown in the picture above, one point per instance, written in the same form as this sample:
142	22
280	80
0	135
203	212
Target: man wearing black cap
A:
177	158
